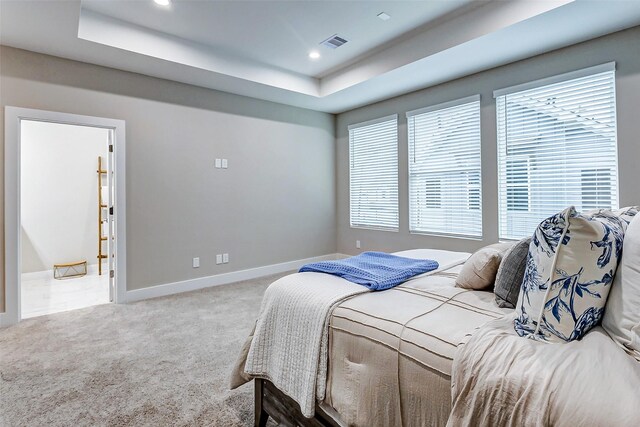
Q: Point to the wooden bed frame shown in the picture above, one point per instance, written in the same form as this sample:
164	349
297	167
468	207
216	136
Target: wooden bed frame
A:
271	402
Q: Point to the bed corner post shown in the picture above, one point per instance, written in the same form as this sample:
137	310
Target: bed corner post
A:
261	415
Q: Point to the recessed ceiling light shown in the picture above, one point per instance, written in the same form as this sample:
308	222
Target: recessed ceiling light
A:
162	2
384	16
314	55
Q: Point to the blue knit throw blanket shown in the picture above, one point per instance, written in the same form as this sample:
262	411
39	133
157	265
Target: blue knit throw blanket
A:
375	270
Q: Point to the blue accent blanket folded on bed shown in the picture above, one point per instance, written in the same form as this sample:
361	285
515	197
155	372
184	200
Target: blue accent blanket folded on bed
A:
375	270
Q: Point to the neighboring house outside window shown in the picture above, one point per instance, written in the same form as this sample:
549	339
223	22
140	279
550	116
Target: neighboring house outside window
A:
474	192
557	146
445	191
518	185
596	188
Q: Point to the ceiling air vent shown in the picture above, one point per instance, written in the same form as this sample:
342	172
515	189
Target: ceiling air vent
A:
334	42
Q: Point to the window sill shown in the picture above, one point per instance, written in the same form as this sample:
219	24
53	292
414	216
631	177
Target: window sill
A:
447	235
355	227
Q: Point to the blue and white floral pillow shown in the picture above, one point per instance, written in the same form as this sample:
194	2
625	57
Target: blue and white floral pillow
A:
570	267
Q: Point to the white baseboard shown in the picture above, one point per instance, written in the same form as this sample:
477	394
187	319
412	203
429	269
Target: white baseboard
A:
222	279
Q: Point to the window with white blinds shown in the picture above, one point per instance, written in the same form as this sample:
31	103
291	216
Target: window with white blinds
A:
556	148
445	192
373	174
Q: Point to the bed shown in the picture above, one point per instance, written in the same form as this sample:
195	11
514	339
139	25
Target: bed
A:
390	353
428	353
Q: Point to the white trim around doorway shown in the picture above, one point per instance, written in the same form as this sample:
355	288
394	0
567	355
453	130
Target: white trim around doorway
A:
12	262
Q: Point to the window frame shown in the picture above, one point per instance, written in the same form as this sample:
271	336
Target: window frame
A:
368	123
614	186
467	197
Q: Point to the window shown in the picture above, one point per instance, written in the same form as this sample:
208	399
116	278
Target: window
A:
518	185
444	169
596	188
474	191
373	174
433	193
557	147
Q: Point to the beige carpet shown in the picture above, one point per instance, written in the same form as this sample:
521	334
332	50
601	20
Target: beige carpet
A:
160	362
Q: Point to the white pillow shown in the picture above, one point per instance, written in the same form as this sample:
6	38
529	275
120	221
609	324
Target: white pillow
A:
622	313
570	267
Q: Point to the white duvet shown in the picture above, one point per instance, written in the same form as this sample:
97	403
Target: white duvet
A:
501	379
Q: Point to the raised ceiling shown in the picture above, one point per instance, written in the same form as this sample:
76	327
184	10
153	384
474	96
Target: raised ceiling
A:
280	34
260	48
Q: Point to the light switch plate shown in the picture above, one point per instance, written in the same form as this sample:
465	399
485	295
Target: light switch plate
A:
196	262
218	163
225	258
225	163
357	244
219	259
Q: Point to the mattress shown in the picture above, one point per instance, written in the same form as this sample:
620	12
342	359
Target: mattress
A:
391	352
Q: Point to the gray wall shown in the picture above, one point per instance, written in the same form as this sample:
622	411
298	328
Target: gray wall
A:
275	203
621	47
287	179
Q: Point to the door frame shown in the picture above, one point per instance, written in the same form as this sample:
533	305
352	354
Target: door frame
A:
12	219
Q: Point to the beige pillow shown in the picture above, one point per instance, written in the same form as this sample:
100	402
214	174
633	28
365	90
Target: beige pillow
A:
479	271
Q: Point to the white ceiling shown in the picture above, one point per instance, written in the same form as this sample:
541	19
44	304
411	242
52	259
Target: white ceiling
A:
260	48
280	33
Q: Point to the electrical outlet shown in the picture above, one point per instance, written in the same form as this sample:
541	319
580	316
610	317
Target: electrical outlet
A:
219	259
196	262
225	258
357	244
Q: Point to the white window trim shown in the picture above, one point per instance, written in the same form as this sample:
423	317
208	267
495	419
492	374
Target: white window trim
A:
443	105
372	122
447	235
609	66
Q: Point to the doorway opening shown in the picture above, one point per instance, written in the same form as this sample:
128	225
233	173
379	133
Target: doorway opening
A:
64	212
66	187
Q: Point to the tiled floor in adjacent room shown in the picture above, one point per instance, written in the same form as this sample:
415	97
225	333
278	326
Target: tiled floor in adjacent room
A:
42	294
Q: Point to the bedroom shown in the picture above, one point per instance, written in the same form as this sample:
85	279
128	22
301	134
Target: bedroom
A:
283	200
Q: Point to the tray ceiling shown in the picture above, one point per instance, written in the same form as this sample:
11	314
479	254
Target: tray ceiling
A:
261	48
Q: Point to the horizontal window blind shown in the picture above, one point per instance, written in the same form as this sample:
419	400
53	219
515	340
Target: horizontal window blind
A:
373	174
445	194
557	147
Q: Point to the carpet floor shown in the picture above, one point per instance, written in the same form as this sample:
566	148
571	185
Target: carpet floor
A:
159	362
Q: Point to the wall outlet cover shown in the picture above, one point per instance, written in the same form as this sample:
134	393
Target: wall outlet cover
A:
225	258
219	259
196	262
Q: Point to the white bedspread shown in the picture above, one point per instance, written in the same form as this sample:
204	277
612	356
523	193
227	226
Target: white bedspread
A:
290	342
501	379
